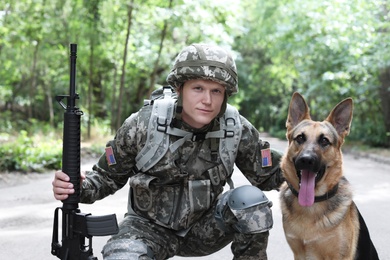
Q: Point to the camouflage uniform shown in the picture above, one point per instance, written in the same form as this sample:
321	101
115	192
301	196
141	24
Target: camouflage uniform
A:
171	209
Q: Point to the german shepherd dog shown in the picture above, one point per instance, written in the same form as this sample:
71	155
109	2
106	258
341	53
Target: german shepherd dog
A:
320	219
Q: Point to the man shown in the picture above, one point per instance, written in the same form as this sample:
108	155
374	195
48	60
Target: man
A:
178	155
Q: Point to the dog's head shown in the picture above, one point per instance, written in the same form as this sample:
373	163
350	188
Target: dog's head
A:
313	162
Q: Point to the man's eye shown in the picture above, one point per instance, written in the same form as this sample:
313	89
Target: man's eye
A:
217	91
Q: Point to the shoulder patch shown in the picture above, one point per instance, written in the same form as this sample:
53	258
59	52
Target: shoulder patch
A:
110	156
266	159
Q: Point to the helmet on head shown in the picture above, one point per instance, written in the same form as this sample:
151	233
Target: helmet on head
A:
202	61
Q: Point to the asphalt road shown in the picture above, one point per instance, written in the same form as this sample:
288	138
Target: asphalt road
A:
27	208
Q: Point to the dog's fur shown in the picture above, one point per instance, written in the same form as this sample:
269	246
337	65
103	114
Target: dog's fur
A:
320	219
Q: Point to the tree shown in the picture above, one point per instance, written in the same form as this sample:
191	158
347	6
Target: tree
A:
326	50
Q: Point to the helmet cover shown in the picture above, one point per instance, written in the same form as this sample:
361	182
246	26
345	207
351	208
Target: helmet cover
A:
203	61
249	206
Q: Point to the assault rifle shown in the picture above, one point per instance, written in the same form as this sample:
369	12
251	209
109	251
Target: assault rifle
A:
76	226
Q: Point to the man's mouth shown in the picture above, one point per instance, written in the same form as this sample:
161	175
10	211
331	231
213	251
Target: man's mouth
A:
205	110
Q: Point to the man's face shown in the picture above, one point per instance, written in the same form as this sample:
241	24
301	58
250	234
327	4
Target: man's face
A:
202	101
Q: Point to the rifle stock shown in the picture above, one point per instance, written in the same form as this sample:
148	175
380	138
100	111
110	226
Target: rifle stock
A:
76	226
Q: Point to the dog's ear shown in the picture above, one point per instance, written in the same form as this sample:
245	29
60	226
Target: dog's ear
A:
297	111
341	117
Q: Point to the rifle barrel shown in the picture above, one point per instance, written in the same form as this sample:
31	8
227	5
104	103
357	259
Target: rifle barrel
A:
71	136
72	83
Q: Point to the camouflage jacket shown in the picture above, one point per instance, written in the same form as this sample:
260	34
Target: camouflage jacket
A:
185	183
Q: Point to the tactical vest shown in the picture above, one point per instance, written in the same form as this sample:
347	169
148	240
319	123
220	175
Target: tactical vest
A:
182	205
159	129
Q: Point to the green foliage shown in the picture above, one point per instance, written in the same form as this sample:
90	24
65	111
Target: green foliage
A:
27	154
327	50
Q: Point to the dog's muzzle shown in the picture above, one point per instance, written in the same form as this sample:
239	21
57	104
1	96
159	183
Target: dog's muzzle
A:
309	161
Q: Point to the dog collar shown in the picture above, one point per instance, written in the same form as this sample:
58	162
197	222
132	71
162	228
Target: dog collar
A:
326	196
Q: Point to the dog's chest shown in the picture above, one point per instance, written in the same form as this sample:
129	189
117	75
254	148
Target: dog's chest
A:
309	220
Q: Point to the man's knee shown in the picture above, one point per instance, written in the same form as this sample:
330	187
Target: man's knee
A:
250	246
245	209
127	249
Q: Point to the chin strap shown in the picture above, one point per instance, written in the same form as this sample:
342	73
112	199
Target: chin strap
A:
326	196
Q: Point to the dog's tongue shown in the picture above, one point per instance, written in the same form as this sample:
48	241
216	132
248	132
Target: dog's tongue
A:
306	191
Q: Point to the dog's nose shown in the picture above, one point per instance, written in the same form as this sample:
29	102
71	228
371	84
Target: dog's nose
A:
307	161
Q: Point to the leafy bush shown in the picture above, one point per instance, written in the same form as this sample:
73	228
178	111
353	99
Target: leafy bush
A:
30	154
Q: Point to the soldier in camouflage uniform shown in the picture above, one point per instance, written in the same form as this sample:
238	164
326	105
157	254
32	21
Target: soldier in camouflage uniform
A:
177	206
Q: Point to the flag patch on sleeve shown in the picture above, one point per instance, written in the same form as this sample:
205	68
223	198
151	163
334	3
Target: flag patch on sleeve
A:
110	156
266	160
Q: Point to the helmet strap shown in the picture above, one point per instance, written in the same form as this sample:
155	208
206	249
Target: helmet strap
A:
223	106
179	104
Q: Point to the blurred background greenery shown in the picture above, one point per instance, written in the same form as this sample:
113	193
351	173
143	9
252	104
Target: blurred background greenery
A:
327	50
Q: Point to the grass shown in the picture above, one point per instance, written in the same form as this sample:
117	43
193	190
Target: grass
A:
24	152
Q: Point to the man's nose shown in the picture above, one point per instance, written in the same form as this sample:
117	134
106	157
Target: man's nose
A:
206	97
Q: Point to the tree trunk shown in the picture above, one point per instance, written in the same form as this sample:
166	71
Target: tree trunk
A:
114	116
155	67
90	86
33	86
384	94
94	86
47	91
122	82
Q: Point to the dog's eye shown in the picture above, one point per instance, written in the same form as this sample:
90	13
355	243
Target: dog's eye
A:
300	139
323	141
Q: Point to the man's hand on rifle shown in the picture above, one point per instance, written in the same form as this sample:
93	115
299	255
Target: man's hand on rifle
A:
61	185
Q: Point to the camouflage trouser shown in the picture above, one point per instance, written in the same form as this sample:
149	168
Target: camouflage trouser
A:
142	239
